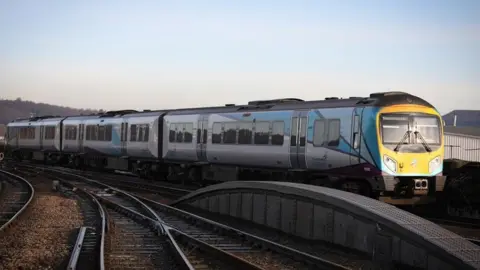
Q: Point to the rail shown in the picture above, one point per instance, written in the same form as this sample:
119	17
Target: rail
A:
165	228
30	190
232	260
155	222
72	264
172	235
312	260
103	227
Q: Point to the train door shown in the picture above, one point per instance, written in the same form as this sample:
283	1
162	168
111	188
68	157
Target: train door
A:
42	131
81	135
123	138
356	136
298	140
202	135
15	134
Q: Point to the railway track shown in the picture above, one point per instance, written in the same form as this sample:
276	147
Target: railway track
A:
88	251
16	195
164	192
136	238
187	230
465	213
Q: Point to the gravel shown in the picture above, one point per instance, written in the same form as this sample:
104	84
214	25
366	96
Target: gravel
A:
40	237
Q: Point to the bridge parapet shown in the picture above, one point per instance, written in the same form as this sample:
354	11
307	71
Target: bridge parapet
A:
388	234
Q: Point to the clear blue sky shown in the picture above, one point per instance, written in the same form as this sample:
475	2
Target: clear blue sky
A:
156	54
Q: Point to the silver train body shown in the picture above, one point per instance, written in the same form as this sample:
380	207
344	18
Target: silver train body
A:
328	142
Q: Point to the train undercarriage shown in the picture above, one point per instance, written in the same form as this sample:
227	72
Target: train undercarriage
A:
405	191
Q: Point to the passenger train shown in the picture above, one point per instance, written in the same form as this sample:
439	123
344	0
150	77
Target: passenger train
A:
388	145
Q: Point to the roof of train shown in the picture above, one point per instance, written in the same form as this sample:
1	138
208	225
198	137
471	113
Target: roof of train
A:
375	99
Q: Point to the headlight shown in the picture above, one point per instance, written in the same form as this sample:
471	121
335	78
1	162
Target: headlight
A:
434	164
390	163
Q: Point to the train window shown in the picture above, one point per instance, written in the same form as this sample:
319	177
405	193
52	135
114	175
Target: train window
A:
91	133
87	135
180	131
188	133
278	132
205	135
147	133
49	132
294	132
245	133
31	134
333	132
101	133
108	133
95	132
67	133
230	133
262	132
171	136
199	134
217	133
303	130
133	133
140	133
319	132
70	132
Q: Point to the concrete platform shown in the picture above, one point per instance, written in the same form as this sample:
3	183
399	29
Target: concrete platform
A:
390	235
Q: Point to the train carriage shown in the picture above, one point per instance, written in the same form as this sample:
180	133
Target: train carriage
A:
180	138
102	143
387	145
344	143
36	138
142	137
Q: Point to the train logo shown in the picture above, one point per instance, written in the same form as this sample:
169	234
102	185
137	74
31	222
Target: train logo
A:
414	163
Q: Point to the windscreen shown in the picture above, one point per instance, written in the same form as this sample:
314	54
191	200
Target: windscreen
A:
395	126
428	127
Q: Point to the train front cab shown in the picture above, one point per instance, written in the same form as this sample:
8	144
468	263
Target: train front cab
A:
411	148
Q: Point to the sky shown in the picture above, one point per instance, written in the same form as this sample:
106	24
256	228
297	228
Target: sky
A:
116	54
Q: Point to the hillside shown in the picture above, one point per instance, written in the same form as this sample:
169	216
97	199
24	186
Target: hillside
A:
13	109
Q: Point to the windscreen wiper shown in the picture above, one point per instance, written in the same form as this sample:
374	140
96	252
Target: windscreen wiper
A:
424	143
404	138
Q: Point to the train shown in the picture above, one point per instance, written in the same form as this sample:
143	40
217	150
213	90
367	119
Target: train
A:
387	146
